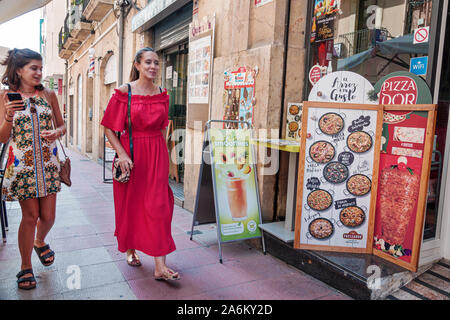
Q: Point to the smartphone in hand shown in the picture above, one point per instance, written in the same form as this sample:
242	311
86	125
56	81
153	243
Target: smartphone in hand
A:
14	96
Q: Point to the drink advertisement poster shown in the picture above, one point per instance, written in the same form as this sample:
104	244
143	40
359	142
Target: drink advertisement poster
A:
405	157
235	185
338	171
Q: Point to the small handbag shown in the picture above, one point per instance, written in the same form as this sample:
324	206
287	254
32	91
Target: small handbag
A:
64	171
118	175
64	165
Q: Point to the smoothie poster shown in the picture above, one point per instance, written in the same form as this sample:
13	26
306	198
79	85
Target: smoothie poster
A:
236	193
404	160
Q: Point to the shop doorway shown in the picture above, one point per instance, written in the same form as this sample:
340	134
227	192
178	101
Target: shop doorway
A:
175	81
71	119
89	113
79	111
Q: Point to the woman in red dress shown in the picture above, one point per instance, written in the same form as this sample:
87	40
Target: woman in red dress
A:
144	204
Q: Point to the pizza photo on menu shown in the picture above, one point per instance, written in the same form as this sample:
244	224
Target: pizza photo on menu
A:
352	216
406	134
359	141
335	172
322	152
319	200
321	228
359	185
331	123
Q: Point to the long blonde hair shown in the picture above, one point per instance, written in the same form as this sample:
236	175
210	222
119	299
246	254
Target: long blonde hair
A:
134	74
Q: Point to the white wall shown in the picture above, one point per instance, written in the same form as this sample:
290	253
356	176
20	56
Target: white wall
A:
53	15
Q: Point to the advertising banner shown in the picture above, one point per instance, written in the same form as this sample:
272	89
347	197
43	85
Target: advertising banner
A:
199	70
236	194
405	159
338	167
402	87
343	87
239	96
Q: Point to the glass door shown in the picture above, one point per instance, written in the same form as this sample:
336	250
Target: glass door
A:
175	81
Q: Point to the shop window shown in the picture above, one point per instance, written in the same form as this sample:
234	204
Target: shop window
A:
370	37
375	38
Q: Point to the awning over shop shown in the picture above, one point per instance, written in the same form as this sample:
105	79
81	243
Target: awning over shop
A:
393	47
10	9
154	12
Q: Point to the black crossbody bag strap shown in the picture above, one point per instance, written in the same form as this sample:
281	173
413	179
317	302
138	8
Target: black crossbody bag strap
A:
129	124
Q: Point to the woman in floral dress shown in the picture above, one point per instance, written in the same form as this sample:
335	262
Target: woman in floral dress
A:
32	171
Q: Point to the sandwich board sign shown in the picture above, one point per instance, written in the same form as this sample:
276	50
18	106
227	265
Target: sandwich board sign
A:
228	193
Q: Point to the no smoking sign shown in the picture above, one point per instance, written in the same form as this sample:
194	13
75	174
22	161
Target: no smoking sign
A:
421	35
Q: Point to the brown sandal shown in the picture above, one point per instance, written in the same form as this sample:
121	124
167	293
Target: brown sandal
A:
168	274
133	260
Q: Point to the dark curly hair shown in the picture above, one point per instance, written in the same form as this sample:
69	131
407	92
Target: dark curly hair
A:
16	59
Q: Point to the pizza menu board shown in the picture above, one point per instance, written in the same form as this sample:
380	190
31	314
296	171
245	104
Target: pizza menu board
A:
337	174
406	143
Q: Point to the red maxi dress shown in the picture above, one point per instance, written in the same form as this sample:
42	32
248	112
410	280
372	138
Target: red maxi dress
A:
144	204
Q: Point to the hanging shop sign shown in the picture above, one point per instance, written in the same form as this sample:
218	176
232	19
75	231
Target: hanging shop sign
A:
342	87
405	159
91	71
419	66
233	183
60	87
336	185
239	96
294	121
401	88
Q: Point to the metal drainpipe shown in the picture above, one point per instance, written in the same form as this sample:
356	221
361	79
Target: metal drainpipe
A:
283	95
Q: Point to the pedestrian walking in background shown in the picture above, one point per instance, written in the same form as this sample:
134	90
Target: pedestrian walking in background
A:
144	204
27	113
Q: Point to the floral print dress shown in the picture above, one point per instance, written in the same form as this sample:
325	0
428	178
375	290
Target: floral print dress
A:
32	170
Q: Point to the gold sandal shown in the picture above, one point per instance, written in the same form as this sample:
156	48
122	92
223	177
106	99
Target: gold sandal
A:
133	260
168	274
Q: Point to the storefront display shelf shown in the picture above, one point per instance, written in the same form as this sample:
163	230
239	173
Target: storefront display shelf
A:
284	230
278	230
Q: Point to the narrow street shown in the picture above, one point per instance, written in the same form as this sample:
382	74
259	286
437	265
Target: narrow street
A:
83	240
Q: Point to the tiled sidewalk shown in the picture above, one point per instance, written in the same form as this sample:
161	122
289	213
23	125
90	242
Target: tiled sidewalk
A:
83	240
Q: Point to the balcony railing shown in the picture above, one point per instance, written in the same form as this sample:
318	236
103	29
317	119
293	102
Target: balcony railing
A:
79	26
361	40
64	33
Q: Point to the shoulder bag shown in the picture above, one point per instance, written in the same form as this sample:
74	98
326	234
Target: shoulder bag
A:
64	165
118	175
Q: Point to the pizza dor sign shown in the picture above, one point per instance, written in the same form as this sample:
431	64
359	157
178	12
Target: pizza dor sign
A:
399	90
